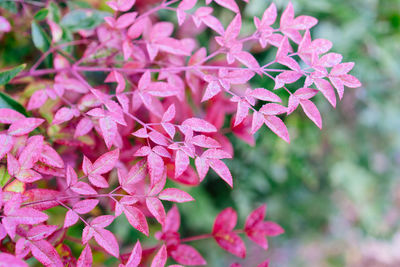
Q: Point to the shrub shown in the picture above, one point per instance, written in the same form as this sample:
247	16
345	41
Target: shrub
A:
117	103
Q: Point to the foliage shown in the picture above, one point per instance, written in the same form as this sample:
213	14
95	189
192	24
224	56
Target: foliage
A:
163	113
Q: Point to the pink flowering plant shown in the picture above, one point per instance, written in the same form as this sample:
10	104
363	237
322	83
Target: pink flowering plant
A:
117	103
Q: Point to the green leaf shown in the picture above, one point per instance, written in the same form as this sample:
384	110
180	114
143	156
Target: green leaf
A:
8	102
39	37
83	19
8	75
4	176
54	12
9	5
41	14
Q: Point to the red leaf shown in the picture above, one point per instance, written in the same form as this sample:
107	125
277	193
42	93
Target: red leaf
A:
187	255
107	240
160	258
175	195
24	126
231	242
255	217
225	221
156	208
86	258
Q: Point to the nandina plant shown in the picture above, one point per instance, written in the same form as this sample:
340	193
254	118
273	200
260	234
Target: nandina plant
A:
118	103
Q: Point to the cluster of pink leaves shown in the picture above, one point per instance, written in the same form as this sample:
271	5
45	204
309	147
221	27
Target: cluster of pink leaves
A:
167	108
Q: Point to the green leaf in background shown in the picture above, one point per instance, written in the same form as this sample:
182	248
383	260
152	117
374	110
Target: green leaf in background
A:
7	102
39	37
41	14
4	175
6	76
9	5
54	12
83	19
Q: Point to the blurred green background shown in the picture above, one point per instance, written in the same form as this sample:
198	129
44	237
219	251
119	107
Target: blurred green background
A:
336	191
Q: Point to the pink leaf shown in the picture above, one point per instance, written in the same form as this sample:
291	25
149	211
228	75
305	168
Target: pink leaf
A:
125	20
9	116
24	126
108	130
233	29
312	112
85	206
202	167
304	22
272	109
105	162
160	258
342	68
264	94
213	88
10	260
71	218
28	216
136	256
37	99
278	127
181	162
169	115
257	122
287	76
137	219
50	157
173	220
242	112
156	167
41	232
269	15
107	240
248	60
83	188
71	176
121	5
44	252
86	258
62	115
230	4
205	141
156	208
7	143
327	90
175	195
199	125
102	221
84	126
187	255
158	138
